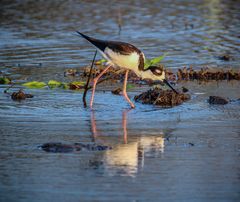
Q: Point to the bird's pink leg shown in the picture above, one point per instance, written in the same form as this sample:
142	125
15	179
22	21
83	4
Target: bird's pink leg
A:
95	80
125	89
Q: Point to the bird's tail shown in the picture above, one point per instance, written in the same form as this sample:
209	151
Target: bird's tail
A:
99	44
84	36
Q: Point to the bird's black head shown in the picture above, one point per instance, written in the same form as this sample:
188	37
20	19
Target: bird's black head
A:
157	73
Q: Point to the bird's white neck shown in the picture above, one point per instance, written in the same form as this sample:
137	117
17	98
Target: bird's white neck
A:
145	74
149	75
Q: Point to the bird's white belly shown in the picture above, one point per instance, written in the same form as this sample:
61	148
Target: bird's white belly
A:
125	61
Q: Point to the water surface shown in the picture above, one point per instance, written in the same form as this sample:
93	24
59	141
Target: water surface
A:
186	153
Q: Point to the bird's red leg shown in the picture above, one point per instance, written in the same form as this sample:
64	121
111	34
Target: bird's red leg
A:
125	89
95	80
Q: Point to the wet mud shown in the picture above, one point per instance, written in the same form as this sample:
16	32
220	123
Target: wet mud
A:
218	100
207	74
163	98
20	95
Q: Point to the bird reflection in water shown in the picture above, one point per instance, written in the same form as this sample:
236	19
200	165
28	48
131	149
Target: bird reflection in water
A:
127	157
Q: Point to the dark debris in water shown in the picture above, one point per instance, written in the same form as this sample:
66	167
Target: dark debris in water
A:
68	148
20	95
164	98
225	57
217	100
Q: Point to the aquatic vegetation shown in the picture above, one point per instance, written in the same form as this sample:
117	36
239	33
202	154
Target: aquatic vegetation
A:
154	61
35	84
130	86
5	80
100	62
56	84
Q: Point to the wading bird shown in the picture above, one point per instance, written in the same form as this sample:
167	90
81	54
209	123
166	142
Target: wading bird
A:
126	56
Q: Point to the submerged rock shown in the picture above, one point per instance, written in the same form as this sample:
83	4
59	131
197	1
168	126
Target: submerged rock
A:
66	148
164	98
217	100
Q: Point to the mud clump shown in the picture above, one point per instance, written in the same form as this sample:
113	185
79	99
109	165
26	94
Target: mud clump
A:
71	72
117	91
74	86
217	100
112	73
206	74
164	98
225	57
20	95
183	74
68	148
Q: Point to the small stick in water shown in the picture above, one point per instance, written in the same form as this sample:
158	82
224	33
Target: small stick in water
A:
119	21
86	86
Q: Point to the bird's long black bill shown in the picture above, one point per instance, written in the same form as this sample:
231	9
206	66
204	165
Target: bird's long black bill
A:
169	85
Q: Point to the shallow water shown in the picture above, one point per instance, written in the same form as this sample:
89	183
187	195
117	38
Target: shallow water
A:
192	32
186	153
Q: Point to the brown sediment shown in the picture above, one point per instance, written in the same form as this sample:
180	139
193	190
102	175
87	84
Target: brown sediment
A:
164	98
20	95
182	74
184	89
207	74
117	91
217	100
113	73
71	72
73	86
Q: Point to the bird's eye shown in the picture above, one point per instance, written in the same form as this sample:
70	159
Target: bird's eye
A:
156	71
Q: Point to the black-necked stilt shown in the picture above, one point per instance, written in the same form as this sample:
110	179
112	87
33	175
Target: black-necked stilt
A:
127	56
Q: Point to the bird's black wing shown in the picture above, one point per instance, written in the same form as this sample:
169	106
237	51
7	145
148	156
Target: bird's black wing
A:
116	46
